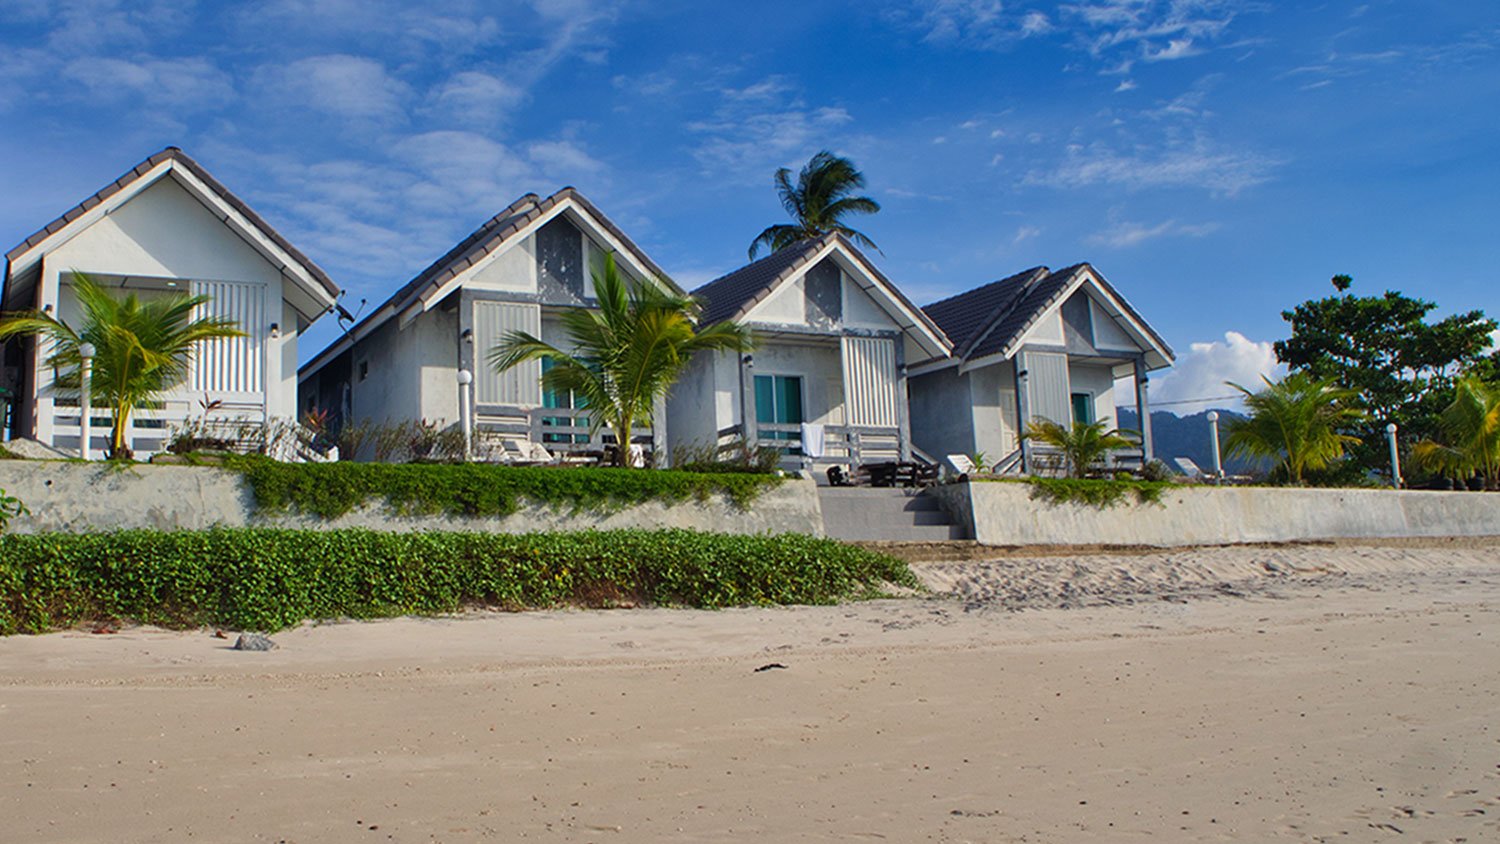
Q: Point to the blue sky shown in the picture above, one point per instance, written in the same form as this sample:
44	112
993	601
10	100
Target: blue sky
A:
1218	160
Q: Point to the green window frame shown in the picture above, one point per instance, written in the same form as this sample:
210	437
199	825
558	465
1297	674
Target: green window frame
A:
778	401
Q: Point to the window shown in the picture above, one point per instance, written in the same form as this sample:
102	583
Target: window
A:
1083	408
562	400
778	401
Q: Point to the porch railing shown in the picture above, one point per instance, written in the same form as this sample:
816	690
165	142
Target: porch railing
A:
842	444
153	424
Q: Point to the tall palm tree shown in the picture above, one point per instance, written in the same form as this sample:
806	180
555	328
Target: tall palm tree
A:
142	347
817	203
625	355
1083	446
1298	421
1471	429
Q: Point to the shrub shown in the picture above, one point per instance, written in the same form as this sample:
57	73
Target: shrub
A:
1096	492
330	490
267	579
736	456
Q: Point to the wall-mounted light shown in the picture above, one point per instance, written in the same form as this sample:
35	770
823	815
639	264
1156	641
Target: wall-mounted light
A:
748	361
46	309
275	330
467	336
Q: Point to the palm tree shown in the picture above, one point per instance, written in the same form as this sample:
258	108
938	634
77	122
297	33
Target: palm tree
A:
1297	421
1083	446
626	355
1471	427
817	203
142	347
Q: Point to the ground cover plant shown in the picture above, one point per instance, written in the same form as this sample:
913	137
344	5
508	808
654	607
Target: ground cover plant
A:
1093	492
268	579
330	490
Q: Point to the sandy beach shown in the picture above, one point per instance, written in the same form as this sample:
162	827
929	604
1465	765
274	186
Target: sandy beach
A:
1301	693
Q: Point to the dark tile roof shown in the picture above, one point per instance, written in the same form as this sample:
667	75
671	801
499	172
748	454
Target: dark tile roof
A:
965	317
1040	295
730	296
986	320
184	160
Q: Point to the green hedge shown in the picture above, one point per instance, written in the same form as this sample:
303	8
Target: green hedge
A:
1096	492
268	579
333	489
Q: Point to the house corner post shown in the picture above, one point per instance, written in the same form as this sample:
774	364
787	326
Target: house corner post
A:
903	405
747	400
1143	409
1023	409
661	450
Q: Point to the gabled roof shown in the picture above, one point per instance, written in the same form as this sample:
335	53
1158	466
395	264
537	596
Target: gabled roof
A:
994	319
733	296
494	234
175	158
965	317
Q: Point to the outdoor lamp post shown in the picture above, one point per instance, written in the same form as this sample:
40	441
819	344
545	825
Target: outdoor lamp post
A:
465	412
1213	437
85	396
1390	437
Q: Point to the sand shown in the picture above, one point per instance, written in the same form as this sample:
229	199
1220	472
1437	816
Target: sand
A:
1324	693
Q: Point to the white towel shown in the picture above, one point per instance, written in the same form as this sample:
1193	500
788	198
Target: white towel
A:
812	440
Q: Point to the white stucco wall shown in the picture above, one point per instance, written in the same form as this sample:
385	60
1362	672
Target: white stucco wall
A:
820	368
513	270
861	311
1107	333
1099	382
1005	514
83	498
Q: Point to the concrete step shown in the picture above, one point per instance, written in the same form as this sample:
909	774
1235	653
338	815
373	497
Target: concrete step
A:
885	515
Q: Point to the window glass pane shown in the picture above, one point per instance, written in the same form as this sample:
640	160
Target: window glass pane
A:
1083	408
790	411
554	398
765	399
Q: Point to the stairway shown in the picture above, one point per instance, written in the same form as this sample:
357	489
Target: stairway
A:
892	515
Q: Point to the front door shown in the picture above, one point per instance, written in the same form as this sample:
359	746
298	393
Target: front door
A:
778	403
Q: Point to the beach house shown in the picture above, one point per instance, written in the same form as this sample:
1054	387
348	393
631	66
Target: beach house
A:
827	382
517	272
166	226
1049	344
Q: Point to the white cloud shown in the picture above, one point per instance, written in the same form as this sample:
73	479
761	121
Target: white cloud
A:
1025	233
346	86
1177	48
1199	164
1125	234
1125	85
473	96
1197	381
563	160
182	83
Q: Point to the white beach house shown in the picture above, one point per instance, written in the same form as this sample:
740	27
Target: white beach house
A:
1038	344
167	225
827	382
519	271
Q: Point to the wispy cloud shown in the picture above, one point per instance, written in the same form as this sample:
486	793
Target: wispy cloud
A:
350	87
180	83
1125	233
754	129
1198	164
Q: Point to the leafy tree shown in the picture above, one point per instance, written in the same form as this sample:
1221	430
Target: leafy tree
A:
626	354
1298	421
1400	366
817	203
1083	446
1470	429
142	346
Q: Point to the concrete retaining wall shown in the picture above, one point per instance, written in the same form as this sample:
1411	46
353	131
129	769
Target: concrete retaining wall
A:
78	497
1005	514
